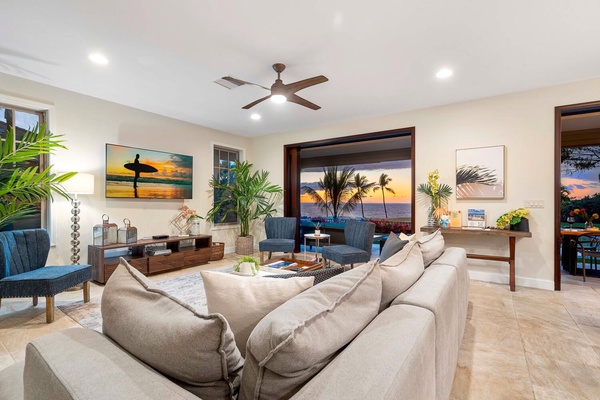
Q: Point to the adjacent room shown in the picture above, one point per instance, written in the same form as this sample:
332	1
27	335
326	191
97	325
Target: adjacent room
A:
317	200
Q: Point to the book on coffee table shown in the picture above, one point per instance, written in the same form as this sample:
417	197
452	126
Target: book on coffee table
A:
282	264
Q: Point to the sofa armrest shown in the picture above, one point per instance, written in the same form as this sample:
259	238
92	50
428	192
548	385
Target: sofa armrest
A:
11	382
392	358
84	364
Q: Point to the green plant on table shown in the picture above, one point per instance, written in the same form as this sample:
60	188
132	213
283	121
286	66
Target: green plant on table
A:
512	217
438	193
249	259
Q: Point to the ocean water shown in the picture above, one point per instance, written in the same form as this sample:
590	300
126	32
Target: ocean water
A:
372	210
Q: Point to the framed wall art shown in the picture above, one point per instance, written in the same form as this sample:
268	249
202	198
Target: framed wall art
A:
480	173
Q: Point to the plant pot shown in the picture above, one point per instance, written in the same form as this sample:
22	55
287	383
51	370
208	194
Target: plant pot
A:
317	232
522	226
244	245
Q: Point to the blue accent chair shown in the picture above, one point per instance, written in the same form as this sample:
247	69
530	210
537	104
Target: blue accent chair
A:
281	233
23	254
359	240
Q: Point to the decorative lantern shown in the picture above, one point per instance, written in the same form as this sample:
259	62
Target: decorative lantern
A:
105	233
128	233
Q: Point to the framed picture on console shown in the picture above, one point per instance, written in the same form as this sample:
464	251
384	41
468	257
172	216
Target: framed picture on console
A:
480	173
132	172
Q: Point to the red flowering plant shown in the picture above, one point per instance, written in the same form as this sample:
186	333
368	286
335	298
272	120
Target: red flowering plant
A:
386	226
581	212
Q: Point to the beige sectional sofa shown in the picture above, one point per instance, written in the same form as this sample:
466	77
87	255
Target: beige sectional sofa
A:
350	346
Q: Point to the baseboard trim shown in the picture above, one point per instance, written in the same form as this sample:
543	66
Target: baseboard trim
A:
519	281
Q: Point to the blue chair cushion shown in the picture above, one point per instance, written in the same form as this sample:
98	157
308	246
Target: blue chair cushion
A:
46	281
344	254
283	245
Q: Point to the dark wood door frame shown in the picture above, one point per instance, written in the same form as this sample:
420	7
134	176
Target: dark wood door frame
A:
557	181
291	166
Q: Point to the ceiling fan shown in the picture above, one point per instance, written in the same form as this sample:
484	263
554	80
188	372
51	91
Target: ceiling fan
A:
280	92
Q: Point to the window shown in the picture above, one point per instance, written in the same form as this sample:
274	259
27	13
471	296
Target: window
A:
224	161
22	120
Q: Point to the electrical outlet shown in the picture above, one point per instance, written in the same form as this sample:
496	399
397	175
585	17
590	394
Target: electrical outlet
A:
534	203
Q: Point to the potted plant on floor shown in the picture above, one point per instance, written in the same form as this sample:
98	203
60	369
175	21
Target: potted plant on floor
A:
249	195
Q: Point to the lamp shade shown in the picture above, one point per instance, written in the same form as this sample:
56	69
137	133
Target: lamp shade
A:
80	184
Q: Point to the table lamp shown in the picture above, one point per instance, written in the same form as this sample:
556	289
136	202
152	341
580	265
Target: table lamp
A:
78	184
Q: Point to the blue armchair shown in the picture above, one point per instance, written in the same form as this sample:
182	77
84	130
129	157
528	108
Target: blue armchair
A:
23	254
281	232
359	242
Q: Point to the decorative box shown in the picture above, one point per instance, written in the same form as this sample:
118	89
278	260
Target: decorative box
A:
105	233
128	233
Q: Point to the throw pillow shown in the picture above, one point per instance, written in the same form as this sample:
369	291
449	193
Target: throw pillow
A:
392	245
400	272
170	336
432	246
244	301
299	338
404	236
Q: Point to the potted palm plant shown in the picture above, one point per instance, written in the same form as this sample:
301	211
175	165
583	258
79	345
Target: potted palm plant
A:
22	187
249	195
438	195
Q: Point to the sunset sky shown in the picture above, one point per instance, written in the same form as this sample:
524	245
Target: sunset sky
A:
582	183
399	171
169	165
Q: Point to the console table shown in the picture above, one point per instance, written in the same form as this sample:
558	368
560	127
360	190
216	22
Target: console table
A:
511	235
197	253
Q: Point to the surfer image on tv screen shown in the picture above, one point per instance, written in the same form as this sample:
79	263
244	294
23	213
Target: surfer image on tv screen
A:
138	168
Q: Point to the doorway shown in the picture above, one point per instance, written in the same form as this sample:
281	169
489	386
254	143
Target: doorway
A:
576	126
376	147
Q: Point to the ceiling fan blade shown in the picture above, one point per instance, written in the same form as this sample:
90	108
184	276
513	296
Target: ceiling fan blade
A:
240	82
293	98
255	102
303	84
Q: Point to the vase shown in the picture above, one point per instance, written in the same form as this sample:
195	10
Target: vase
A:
522	226
195	227
317	232
588	224
431	220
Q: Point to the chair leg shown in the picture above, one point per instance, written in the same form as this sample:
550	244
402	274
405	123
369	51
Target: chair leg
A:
262	257
583	267
270	254
351	266
324	262
35	301
49	309
86	292
293	255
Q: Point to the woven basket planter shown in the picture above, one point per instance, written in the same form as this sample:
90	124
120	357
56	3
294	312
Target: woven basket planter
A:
218	251
244	245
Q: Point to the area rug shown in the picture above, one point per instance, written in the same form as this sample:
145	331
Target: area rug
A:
187	288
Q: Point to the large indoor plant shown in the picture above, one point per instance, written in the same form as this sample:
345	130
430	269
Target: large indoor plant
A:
247	194
22	187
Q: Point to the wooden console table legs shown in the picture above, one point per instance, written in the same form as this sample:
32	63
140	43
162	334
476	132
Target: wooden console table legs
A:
510	260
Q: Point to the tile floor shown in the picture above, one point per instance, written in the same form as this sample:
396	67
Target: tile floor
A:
528	344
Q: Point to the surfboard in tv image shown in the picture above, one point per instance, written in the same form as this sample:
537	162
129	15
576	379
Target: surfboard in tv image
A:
147	174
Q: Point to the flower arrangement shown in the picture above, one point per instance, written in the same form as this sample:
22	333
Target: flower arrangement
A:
512	217
317	225
438	193
581	212
188	214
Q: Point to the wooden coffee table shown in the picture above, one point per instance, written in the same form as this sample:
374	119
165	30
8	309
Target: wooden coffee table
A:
304	265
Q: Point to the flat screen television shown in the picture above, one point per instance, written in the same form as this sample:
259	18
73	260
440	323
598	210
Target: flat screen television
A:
132	172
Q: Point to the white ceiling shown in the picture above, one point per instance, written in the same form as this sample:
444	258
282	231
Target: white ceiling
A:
380	56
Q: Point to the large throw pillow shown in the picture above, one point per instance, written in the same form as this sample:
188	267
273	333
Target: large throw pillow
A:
170	336
432	246
244	301
400	272
299	338
404	236
392	245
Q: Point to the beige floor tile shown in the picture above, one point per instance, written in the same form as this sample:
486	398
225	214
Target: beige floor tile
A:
591	333
544	393
493	334
6	359
556	376
571	349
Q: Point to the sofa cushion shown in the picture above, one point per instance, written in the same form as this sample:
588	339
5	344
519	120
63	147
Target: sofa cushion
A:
244	301
392	358
11	382
83	364
392	245
400	272
169	335
432	246
403	236
300	337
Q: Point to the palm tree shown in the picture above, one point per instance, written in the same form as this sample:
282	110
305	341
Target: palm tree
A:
384	181
336	187
362	186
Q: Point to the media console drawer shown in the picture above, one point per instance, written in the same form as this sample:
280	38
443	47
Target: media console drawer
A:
141	264
165	262
196	256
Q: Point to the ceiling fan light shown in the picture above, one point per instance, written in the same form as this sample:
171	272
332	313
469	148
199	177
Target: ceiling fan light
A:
278	98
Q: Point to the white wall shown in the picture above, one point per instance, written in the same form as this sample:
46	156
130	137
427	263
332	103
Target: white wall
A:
523	122
88	124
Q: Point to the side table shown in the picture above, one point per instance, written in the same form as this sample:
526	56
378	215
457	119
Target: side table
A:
317	239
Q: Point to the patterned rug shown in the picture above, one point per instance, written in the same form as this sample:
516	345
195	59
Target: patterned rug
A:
187	288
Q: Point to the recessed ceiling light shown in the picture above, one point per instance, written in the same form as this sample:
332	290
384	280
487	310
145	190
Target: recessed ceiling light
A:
255	116
278	98
444	73
98	58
